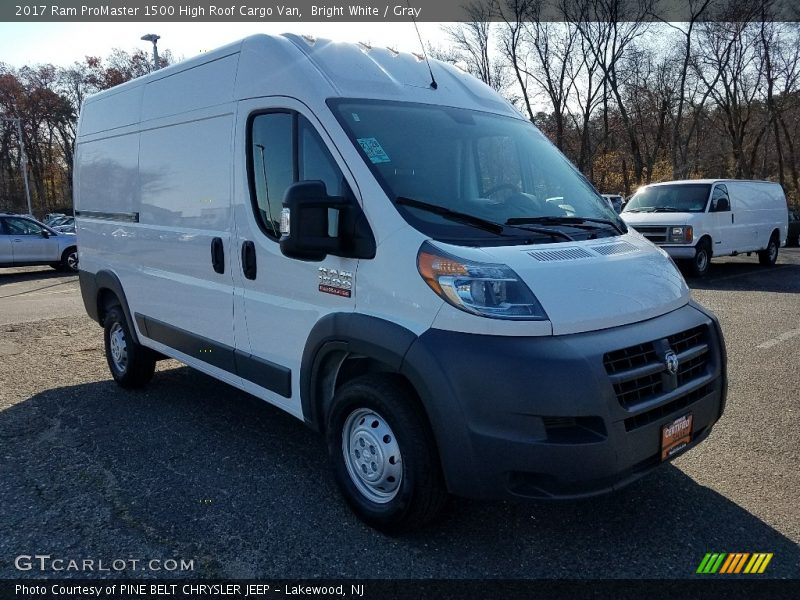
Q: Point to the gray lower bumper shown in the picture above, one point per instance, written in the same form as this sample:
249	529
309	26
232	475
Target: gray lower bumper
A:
540	417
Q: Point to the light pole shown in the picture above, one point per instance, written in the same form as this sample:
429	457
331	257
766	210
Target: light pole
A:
23	158
152	37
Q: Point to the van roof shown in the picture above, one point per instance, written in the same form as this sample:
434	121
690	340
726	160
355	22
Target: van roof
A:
707	181
303	67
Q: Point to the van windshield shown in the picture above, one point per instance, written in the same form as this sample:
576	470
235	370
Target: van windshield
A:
466	176
670	198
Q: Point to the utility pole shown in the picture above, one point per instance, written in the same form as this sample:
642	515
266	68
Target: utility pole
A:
23	159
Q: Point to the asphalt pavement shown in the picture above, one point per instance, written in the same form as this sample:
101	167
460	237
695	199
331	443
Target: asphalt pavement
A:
192	469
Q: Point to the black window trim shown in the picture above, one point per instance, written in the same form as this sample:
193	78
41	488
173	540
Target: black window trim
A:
251	181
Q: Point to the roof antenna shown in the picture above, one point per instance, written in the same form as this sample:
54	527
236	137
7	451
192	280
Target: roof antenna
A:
434	85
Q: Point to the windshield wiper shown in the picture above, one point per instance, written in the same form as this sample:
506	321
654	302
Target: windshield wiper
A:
484	224
453	215
572	221
665	209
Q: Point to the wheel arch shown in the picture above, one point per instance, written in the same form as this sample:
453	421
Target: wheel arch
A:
101	291
342	346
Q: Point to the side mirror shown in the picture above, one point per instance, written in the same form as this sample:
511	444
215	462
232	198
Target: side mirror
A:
314	225
45	233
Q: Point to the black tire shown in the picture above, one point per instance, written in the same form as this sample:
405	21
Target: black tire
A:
769	255
131	364
701	263
417	493
69	260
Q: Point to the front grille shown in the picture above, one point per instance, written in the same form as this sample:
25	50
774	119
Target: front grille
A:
664	410
639	373
654	234
629	358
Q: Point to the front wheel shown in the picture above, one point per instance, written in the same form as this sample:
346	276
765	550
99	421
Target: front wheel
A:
383	454
701	262
768	256
131	364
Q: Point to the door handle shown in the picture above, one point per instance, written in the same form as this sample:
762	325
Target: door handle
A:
249	259
17	241
218	255
731	217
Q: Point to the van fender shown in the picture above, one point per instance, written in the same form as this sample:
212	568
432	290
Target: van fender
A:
347	333
338	334
92	286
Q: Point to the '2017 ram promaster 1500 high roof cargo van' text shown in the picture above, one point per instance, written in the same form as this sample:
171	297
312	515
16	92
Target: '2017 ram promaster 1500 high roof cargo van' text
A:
408	266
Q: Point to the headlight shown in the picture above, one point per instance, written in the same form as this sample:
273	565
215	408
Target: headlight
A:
683	234
485	289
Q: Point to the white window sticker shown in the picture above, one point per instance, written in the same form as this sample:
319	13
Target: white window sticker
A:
374	150
356	118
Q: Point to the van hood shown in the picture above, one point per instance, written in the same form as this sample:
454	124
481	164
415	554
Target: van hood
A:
597	284
659	218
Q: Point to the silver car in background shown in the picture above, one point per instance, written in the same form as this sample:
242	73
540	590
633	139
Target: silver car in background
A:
24	241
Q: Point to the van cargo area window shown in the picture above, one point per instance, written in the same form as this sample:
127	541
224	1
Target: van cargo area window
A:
284	148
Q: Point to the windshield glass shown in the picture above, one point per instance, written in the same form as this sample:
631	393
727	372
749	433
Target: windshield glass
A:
474	164
670	198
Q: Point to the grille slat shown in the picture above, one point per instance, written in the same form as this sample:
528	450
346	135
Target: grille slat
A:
654	234
639	373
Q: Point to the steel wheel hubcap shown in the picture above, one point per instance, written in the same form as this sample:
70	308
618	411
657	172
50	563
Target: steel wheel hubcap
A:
701	260
372	455
119	348
773	251
72	261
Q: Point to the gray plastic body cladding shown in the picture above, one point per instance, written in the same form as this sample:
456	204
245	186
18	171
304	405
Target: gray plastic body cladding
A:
486	396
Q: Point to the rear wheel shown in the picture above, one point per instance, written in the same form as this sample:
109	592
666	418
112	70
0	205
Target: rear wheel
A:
768	256
131	364
701	262
69	261
383	454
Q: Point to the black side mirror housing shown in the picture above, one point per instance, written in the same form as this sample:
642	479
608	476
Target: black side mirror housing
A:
314	224
45	233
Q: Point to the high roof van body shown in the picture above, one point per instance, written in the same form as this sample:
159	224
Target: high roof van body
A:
396	257
696	219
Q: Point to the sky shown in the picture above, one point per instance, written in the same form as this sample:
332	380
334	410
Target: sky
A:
62	44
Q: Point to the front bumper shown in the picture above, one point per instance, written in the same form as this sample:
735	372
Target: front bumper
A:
680	252
540	417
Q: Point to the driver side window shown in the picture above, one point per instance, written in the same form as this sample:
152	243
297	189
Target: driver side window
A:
284	149
720	193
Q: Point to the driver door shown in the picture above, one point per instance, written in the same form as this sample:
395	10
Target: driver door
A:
720	219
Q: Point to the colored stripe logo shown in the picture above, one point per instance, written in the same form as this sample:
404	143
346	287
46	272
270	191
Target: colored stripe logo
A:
733	563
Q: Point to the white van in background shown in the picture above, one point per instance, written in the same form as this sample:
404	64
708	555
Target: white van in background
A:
397	257
696	219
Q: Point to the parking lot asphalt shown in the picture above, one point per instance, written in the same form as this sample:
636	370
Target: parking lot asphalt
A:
192	469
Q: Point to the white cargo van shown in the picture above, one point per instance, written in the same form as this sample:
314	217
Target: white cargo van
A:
696	219
398	258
